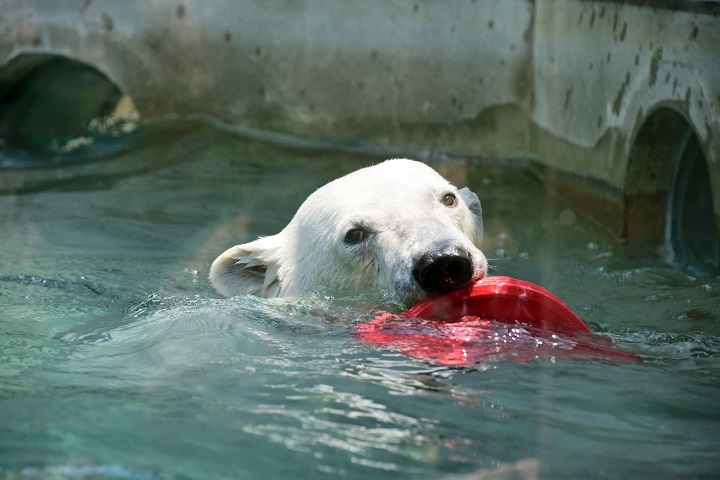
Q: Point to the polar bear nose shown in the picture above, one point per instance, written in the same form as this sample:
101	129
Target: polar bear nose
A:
443	272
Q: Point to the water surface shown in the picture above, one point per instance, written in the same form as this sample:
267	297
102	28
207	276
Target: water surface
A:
118	361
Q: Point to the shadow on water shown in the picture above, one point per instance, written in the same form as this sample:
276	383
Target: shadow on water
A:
99	155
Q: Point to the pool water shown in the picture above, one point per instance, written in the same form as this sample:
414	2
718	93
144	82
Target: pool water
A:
118	360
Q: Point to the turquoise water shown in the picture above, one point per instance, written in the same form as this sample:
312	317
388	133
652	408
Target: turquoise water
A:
118	361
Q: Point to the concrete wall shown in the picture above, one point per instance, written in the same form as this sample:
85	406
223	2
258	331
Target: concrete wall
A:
319	68
621	91
571	84
603	67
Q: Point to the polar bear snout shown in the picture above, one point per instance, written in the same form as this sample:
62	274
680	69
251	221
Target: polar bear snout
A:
444	270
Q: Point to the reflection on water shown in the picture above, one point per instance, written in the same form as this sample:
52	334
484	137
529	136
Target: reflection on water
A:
117	360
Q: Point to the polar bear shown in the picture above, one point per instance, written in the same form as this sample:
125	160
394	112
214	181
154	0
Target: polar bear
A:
397	228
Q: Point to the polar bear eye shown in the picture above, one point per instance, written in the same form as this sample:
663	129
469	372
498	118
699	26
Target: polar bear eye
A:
449	200
355	236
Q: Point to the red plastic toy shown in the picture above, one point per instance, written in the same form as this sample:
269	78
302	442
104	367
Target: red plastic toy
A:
494	318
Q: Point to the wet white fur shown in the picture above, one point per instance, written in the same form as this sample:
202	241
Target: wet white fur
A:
399	200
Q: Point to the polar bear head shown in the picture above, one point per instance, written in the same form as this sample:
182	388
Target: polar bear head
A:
397	227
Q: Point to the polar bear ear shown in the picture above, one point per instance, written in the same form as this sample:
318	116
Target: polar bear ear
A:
473	203
249	268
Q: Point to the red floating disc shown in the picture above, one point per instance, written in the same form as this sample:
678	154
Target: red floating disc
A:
496	317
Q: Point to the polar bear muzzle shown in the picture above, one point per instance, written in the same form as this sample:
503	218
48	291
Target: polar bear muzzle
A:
443	270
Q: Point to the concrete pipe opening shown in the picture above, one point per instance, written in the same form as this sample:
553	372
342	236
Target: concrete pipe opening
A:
669	197
691	230
54	109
